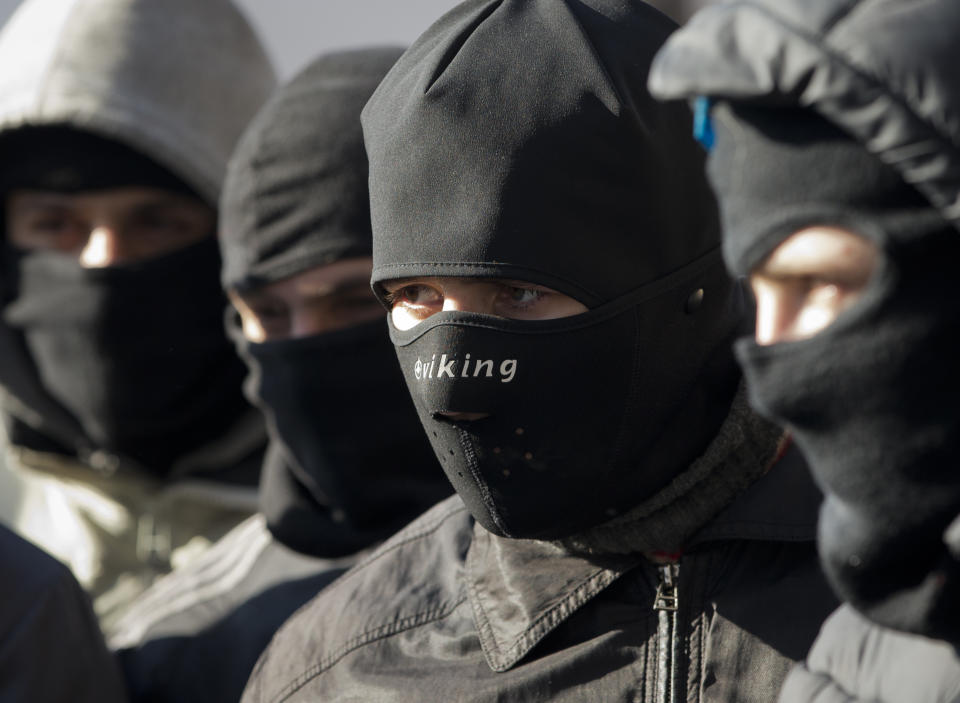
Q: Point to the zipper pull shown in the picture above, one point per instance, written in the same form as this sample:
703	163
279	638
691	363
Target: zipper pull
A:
666	598
669	639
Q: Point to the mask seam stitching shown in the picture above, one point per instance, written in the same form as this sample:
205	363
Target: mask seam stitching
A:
472	465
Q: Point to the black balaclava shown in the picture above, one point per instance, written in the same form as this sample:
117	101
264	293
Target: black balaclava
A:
516	139
348	463
871	399
131	359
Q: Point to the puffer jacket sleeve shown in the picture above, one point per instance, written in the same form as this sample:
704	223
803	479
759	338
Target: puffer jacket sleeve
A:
856	661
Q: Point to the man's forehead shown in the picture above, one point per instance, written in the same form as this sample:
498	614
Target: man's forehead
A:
342	276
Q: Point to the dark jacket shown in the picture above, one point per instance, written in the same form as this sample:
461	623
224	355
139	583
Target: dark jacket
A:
196	634
51	649
446	611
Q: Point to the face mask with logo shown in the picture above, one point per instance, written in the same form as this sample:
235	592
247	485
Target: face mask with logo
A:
584	419
575	179
135	353
870	399
341	422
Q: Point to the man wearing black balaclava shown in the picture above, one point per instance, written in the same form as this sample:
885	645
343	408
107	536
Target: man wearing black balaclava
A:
130	446
548	248
837	178
348	464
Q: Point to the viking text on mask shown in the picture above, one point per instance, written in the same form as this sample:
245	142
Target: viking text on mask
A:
452	367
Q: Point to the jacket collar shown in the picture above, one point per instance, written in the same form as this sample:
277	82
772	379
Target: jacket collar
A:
521	590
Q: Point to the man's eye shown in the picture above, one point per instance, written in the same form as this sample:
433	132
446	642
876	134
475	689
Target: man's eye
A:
414	295
269	312
524	296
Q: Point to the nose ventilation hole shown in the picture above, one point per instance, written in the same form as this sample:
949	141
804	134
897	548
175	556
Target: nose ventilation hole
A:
519	431
528	456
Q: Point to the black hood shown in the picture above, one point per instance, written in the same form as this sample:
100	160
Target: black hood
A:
516	139
348	463
296	191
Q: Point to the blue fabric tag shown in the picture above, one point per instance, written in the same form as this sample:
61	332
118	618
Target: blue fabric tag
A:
702	122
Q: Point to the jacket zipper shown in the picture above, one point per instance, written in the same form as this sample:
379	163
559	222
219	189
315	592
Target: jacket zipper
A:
668	640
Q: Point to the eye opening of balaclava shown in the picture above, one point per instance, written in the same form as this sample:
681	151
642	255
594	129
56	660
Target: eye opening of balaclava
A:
114	359
574	178
871	399
348	464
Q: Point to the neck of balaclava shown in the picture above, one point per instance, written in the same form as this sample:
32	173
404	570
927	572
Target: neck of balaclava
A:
152	458
298	519
742	450
349	463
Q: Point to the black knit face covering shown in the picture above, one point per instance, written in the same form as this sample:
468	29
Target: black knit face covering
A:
578	407
341	416
871	399
136	353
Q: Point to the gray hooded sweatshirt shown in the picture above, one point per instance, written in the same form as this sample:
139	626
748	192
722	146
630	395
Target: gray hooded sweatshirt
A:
177	81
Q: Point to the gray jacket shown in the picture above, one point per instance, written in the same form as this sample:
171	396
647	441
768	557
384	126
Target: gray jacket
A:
446	611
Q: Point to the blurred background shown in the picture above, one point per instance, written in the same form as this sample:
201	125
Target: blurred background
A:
297	30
